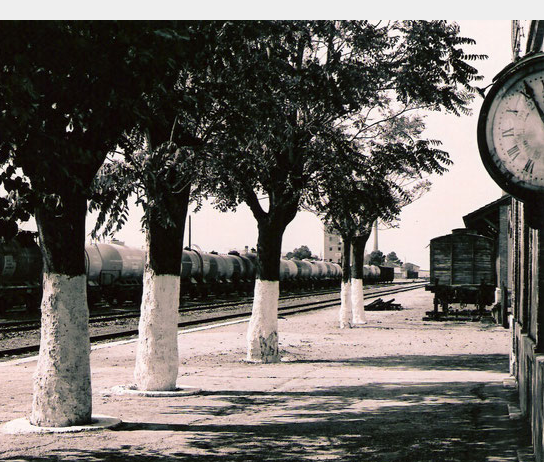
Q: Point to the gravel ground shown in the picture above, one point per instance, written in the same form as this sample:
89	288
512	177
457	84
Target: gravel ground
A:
396	389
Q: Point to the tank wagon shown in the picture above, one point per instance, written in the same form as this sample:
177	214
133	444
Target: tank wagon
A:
20	273
115	271
203	273
373	274
302	273
462	269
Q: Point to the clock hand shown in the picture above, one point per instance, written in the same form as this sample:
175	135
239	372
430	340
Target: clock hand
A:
530	94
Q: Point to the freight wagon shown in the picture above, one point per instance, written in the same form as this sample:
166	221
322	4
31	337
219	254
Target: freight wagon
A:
20	272
462	270
115	271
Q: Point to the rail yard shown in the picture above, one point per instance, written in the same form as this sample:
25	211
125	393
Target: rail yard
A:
160	350
20	337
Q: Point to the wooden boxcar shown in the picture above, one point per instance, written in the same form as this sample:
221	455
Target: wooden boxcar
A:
462	269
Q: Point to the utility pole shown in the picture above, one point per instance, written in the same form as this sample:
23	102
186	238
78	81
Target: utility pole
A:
375	226
189	231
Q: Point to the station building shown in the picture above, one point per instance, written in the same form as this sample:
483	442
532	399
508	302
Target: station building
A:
493	220
332	246
518	229
519	263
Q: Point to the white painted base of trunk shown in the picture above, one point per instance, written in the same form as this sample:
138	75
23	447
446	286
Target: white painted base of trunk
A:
358	302
62	380
262	331
345	314
157	351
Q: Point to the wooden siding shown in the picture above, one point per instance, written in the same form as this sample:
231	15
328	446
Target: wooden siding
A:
462	258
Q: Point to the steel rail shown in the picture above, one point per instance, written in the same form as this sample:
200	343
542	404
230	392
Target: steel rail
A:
27	325
210	321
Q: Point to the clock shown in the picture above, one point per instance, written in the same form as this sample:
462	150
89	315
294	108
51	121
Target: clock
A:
511	129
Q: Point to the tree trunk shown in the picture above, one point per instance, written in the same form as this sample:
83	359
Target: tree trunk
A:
157	350
262	333
357	293
62	380
345	314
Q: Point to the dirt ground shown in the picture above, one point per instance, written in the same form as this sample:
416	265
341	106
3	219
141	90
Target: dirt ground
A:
396	389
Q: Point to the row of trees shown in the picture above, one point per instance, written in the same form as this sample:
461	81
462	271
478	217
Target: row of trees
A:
301	253
280	115
376	257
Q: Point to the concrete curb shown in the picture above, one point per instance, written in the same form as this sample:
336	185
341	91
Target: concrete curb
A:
23	426
132	390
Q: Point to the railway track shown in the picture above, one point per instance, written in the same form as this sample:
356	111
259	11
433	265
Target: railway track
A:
133	311
107	328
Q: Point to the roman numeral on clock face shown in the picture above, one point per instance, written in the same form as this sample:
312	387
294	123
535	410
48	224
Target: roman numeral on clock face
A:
509	132
513	152
529	166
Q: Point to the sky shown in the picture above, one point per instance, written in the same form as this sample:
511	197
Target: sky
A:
463	189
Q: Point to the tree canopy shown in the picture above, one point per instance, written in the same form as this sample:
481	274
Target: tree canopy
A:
300	253
68	90
157	159
392	259
376	257
303	96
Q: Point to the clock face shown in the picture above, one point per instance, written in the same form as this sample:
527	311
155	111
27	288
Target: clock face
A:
511	130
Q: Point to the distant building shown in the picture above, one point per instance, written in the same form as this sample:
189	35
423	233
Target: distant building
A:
410	271
407	271
332	246
424	274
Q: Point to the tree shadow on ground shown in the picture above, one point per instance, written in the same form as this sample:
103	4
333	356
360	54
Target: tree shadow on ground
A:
377	422
423	422
489	362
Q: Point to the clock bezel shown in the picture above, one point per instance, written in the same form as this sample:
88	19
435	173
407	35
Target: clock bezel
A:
508	77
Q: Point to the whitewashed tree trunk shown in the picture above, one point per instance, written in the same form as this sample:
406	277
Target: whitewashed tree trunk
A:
345	314
157	350
262	332
62	380
358	302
